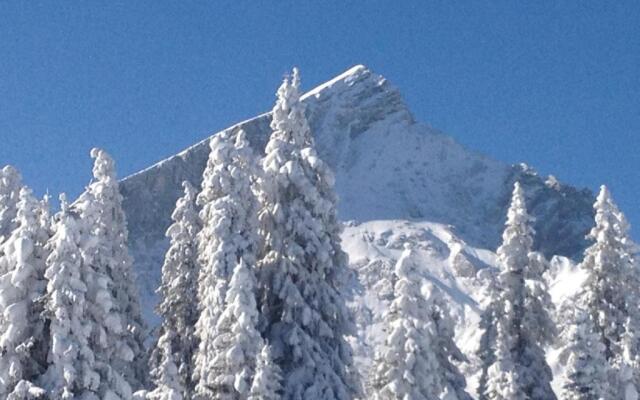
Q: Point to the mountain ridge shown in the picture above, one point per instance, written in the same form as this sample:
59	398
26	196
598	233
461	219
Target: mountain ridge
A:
387	166
360	112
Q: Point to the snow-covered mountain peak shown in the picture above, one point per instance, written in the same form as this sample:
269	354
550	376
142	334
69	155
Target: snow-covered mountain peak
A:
387	166
372	93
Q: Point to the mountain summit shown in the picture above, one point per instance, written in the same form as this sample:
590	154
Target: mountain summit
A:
387	167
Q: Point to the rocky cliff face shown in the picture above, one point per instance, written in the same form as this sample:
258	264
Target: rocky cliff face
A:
387	166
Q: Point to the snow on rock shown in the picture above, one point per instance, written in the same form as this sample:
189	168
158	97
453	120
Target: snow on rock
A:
374	248
380	244
387	166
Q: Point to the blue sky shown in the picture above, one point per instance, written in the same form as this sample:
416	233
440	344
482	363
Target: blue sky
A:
552	84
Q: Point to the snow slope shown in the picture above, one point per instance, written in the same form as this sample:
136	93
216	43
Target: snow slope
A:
398	180
460	270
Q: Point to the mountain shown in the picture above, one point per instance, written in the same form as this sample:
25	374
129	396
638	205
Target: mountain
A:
398	180
387	166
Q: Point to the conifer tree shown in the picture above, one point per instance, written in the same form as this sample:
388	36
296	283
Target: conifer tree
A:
586	367
44	216
502	374
238	341
70	373
611	294
177	307
117	327
306	319
415	361
514	364
167	377
491	311
267	377
229	234
626	364
447	351
23	343
10	185
538	331
606	261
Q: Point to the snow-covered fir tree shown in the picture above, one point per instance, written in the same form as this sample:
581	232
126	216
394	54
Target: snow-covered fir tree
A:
23	333
586	367
610	293
447	351
514	363
488	339
177	307
267	379
627	363
237	340
605	261
538	331
305	316
10	185
229	234
167	378
70	373
502	374
415	360
117	328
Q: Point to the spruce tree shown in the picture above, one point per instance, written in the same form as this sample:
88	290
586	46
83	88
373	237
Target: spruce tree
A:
117	328
106	321
502	374
305	316
486	350
10	185
610	293
229	234
514	364
586	367
238	341
124	279
538	331
267	379
167	378
70	373
177	307
627	363
23	335
415	361
447	351
605	262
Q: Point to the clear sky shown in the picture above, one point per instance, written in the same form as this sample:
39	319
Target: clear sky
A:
555	84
